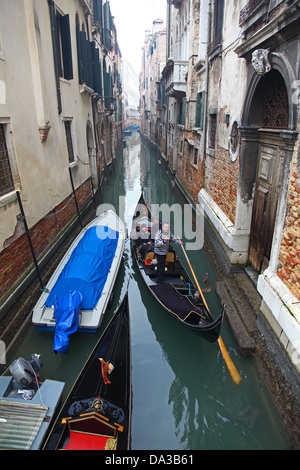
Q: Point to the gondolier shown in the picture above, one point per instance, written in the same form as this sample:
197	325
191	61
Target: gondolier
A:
162	241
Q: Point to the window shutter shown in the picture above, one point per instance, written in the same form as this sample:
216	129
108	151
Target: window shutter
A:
106	14
108	89
181	112
66	47
98	16
54	34
79	54
97	81
86	60
199	110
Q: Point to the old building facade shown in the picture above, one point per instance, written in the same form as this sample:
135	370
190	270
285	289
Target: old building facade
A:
231	116
59	113
153	61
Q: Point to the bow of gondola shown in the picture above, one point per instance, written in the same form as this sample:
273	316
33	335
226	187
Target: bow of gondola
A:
97	413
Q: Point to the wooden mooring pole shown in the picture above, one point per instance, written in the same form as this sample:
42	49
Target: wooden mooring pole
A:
29	240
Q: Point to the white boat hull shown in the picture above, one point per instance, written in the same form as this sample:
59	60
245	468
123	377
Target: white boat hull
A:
89	320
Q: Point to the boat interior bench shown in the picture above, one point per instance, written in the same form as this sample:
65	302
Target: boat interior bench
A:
177	303
171	268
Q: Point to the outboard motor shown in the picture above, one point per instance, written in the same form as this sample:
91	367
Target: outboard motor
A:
25	372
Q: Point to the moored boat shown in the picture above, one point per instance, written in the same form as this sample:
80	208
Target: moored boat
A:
97	413
84	278
27	406
177	294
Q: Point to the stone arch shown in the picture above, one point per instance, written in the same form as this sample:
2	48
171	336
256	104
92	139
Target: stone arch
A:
251	118
280	64
268	111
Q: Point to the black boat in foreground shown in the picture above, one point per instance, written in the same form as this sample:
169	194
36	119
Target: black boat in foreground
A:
177	294
97	413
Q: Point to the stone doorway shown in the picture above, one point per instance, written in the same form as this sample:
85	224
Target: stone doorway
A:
271	105
267	187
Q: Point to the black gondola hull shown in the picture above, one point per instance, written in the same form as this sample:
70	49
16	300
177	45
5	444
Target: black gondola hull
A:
175	295
100	411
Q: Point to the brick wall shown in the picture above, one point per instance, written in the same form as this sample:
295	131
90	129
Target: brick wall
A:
221	181
16	258
188	173
289	258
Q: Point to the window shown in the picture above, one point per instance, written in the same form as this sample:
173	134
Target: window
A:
199	110
69	141
218	20
181	112
6	179
61	41
195	156
64	51
98	12
212	131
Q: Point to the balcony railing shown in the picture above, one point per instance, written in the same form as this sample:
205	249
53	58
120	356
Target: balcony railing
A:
176	80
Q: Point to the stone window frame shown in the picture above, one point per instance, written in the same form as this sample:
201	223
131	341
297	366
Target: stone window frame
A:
6	198
212	150
71	136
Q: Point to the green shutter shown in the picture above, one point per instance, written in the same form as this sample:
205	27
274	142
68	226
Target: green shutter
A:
108	89
181	112
86	60
79	54
97	81
66	47
54	34
98	15
106	14
199	110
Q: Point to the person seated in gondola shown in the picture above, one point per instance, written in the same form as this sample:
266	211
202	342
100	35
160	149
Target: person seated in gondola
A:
162	241
143	241
155	226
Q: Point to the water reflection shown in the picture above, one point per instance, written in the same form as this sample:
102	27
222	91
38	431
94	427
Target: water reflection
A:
203	408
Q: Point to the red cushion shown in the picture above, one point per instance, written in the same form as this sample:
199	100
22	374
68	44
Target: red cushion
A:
86	441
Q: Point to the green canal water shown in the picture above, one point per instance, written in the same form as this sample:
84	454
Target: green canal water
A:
183	395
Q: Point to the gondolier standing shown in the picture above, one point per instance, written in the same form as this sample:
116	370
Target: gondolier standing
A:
161	247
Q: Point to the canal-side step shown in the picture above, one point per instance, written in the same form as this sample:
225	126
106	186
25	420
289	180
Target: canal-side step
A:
237	314
247	287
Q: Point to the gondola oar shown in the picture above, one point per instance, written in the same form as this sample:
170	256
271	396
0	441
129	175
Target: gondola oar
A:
231	367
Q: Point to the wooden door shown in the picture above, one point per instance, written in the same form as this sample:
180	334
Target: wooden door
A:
268	179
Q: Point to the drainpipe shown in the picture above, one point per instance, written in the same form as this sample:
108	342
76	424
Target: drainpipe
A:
206	79
167	97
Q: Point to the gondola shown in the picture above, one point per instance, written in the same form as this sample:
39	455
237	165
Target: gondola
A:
97	413
177	294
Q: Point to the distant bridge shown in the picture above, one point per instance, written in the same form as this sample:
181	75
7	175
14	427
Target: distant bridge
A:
129	122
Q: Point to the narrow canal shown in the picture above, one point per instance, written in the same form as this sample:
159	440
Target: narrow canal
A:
183	395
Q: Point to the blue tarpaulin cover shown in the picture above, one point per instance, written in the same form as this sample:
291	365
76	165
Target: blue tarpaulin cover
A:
88	267
66	312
